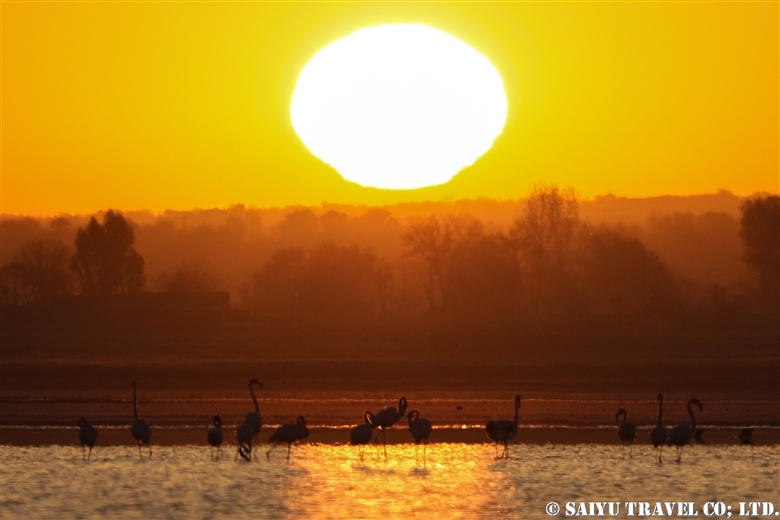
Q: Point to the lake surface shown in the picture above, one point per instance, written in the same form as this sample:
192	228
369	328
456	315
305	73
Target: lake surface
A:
330	481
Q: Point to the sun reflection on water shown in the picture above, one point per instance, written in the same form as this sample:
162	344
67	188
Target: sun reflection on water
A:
330	481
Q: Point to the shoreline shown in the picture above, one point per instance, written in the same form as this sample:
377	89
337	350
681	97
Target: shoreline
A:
555	435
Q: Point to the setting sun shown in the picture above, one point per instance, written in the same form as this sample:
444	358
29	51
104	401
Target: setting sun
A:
399	106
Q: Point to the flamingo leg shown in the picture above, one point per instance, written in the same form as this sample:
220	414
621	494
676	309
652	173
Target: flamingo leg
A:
83	454
268	453
384	442
289	447
139	450
89	454
425	446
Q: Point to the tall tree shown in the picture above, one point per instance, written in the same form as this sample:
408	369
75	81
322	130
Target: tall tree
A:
106	259
760	232
545	235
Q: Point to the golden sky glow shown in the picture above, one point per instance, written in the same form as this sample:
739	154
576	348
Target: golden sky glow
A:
183	105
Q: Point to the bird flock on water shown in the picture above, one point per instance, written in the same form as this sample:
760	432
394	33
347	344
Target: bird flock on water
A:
500	431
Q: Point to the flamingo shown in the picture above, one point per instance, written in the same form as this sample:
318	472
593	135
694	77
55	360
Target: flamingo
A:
140	429
253	419
362	433
658	435
87	436
214	436
244	435
682	434
288	433
504	430
746	436
386	418
626	431
420	428
697	436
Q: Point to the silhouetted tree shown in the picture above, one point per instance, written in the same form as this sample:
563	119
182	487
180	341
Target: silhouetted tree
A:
760	232
622	276
545	234
330	282
434	240
105	258
37	274
480	279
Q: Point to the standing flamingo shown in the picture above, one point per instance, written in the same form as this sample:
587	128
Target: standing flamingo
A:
214	436
140	429
87	436
362	433
658	435
626	431
253	419
288	433
420	428
504	430
386	418
682	434
244	435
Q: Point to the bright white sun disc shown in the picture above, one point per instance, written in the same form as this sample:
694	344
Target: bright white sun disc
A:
398	106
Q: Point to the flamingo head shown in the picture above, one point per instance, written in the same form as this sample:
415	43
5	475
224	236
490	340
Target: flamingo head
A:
368	417
300	421
697	403
412	416
217	421
82	422
517	401
402	405
255	381
660	397
620	412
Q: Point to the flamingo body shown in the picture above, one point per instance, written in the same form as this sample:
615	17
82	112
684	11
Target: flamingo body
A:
244	436
419	427
289	433
215	437
504	430
659	435
682	434
140	429
87	436
386	418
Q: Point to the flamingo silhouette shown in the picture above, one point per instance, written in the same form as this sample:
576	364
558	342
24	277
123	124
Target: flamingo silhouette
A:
420	428
658	435
746	436
214	436
288	433
253	419
362	433
504	430
87	436
386	418
682	434
140	429
244	435
626	431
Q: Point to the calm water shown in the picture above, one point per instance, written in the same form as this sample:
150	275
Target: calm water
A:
327	481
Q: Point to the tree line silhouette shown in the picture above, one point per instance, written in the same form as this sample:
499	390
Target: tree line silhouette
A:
547	262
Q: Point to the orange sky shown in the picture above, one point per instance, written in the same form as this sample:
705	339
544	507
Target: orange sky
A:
185	105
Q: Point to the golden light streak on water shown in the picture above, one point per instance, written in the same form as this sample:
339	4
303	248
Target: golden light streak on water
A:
329	481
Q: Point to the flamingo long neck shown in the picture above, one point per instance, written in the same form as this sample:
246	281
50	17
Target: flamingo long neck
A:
661	411
517	413
135	406
252	391
693	417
